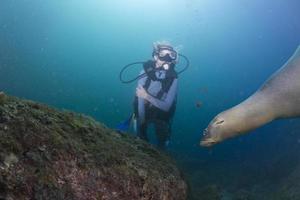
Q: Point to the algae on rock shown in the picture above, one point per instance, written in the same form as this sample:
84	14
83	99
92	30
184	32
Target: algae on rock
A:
50	154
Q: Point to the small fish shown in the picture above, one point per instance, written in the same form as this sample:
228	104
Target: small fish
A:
199	104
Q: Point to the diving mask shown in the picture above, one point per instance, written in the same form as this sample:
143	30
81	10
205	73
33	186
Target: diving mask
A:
167	55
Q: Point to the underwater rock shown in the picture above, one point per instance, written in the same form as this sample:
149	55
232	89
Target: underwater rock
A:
2	98
289	186
50	154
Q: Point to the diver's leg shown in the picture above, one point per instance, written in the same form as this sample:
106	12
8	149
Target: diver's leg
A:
142	131
163	132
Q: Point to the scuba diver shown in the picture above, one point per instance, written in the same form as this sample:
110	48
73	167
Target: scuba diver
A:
156	92
155	100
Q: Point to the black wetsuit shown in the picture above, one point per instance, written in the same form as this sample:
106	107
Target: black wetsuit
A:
159	109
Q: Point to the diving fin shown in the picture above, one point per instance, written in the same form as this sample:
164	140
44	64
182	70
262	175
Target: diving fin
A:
124	126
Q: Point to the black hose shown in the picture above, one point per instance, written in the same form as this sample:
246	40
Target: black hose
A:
187	64
136	78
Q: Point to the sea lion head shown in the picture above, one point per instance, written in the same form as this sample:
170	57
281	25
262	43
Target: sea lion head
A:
219	129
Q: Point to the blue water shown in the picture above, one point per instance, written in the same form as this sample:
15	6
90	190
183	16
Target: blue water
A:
68	54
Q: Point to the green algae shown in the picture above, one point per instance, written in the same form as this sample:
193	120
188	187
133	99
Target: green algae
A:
3	98
57	150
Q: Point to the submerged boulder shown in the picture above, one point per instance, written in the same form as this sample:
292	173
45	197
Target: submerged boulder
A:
50	154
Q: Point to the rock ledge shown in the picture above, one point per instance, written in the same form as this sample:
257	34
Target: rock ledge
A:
51	154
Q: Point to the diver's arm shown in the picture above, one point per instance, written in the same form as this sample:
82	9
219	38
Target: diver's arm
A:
142	81
141	110
168	101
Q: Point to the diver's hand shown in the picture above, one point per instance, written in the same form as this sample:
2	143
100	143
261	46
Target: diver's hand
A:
141	92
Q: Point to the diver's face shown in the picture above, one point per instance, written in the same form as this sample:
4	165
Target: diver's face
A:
162	64
159	63
163	59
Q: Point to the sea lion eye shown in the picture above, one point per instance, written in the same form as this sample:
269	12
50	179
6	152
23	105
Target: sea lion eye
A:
220	122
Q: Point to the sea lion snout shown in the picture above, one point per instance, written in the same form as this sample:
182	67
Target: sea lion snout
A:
205	132
207	140
212	134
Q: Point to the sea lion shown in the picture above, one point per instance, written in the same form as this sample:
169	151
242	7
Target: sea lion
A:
277	98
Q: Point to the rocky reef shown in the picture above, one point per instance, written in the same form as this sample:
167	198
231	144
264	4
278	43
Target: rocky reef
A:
50	154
